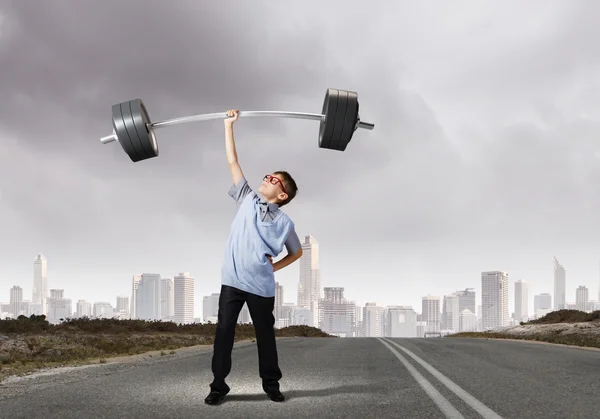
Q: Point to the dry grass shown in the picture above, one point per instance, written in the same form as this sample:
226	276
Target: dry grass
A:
28	344
566	316
579	329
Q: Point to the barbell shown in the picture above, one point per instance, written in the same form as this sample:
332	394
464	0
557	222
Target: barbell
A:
134	131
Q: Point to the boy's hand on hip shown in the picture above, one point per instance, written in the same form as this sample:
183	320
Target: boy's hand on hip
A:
271	260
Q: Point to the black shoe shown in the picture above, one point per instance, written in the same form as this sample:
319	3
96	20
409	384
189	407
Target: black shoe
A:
214	397
275	395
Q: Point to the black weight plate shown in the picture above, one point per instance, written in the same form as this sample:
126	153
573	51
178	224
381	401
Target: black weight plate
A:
139	153
145	134
350	118
338	125
329	110
121	130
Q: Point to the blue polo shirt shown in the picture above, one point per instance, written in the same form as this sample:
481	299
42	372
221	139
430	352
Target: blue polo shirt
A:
258	229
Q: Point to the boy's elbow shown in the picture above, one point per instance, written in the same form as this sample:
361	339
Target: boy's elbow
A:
298	254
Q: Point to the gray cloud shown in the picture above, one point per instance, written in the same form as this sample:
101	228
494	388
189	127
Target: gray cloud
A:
485	137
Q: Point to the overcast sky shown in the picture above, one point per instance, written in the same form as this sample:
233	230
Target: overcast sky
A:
485	154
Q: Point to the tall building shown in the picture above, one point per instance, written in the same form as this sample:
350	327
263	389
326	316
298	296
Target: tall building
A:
59	307
184	298
301	317
123	306
451	313
542	305
466	300
336	315
147	295
134	286
16	300
103	310
430	313
278	300
167	298
582	298
467	321
40	282
560	293
359	329
244	316
84	309
494	299
372	320
521	301
400	322
309	284
210	307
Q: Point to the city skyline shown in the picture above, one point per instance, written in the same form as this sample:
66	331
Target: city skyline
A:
312	259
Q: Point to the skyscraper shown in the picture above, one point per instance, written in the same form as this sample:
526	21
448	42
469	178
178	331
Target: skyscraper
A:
430	313
123	306
336	314
542	305
467	321
148	297
494	299
103	310
184	298
133	312
59	307
309	284
167	298
16	300
450	315
210	307
466	300
84	309
400	322
521	301
582	298
560	297
278	300
40	282
373	320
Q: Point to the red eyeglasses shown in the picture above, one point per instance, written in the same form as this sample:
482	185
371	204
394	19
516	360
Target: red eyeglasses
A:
274	181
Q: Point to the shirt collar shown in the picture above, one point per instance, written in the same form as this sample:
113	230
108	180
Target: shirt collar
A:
271	206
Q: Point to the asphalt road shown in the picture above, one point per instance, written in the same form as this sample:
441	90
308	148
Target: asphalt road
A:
329	378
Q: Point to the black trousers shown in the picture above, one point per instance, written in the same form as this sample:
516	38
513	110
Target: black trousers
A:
231	302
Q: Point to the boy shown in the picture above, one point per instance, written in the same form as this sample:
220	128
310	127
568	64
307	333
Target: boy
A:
259	231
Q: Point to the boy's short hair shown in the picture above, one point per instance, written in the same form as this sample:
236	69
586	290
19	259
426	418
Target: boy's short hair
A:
290	186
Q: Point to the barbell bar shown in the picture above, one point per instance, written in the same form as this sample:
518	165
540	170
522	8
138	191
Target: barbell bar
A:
133	129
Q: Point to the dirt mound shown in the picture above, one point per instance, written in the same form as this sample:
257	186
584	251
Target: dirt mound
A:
566	316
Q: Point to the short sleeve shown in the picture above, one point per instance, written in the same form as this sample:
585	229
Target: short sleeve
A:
240	191
292	243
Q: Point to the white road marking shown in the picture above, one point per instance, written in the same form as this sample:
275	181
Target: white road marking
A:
479	407
442	403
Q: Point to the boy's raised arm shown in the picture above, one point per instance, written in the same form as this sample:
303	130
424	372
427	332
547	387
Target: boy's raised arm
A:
236	171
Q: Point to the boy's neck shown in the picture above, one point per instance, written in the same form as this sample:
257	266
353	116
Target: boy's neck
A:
270	201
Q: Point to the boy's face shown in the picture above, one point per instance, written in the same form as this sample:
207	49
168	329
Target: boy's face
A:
272	188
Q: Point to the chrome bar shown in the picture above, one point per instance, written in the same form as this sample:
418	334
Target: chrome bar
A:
365	125
242	114
109	138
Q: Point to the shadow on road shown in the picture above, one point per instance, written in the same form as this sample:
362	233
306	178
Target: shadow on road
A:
295	394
